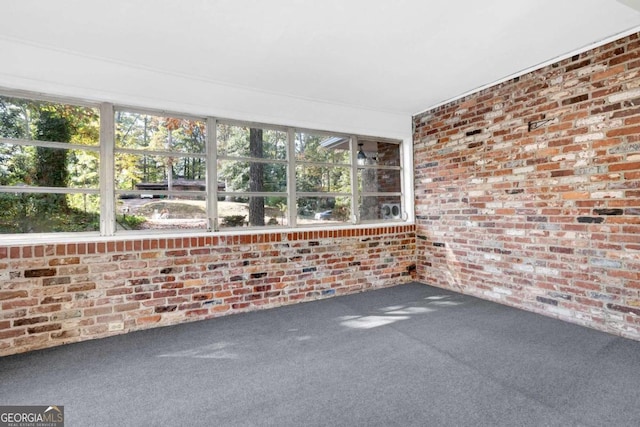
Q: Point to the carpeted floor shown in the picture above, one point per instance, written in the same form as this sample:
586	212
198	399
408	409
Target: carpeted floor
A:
412	355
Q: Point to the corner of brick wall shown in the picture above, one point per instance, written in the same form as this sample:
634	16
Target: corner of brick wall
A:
528	192
62	293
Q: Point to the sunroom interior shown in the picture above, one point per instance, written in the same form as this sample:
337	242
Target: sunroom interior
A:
232	156
475	165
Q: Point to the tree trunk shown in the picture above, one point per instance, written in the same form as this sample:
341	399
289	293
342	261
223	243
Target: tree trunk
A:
256	177
51	163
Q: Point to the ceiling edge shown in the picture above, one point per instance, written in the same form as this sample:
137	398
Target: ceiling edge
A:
633	4
534	68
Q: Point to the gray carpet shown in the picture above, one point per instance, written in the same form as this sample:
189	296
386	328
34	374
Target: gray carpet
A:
412	355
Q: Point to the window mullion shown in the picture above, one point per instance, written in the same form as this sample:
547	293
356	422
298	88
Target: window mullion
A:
48	144
292	210
406	180
212	174
107	170
355	217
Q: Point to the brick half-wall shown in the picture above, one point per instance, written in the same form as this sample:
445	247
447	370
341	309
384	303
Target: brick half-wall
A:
528	192
53	294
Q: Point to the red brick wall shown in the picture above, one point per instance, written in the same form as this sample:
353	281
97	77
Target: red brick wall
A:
59	293
545	218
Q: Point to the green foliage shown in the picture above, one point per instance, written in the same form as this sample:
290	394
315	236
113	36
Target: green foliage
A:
16	161
234	141
84	202
146	132
17	165
130	222
249	173
51	163
321	171
51	167
279	203
83	169
12	115
33	213
51	126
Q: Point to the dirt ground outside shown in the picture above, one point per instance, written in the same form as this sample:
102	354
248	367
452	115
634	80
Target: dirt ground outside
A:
169	214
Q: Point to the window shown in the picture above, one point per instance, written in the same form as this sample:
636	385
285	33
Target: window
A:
323	179
160	172
379	181
252	165
49	167
81	167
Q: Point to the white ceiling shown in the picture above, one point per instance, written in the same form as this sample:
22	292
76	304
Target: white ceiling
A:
393	56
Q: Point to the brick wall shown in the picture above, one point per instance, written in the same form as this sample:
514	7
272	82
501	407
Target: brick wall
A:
60	293
528	193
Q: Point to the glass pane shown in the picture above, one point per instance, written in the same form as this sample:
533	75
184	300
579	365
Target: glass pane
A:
33	166
47	213
322	149
323	210
46	121
252	211
145	172
378	153
48	167
334	179
252	176
15	118
17	164
149	132
173	212
379	180
242	141
380	208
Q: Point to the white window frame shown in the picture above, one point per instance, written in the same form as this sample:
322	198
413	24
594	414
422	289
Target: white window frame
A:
401	194
107	191
294	163
114	150
28	96
285	161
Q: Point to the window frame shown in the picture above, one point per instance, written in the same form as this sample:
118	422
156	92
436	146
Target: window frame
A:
226	157
38	97
107	191
115	150
310	194
399	168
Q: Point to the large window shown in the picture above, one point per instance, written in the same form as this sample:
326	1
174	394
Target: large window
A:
173	172
49	167
323	178
160	171
379	181
252	165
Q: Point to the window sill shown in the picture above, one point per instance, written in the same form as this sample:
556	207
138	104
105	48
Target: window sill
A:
55	238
